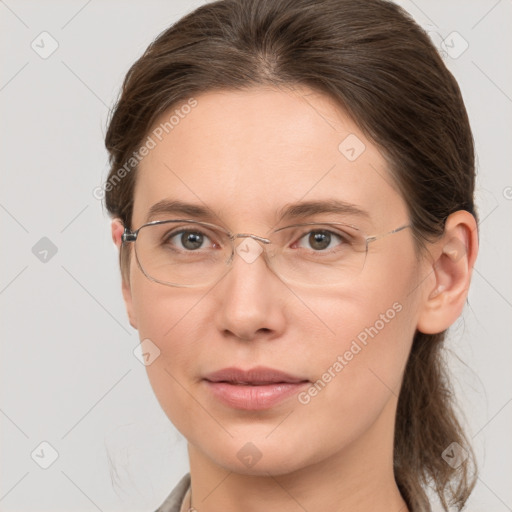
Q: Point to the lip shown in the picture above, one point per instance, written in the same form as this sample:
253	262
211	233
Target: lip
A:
258	375
254	389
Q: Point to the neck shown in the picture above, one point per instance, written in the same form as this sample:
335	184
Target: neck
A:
358	478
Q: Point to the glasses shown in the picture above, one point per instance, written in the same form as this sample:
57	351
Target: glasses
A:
190	253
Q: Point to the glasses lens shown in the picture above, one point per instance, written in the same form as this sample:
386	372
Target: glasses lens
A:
182	253
185	253
318	254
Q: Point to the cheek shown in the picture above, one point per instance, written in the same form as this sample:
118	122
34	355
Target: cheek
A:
364	337
177	321
358	369
368	332
161	310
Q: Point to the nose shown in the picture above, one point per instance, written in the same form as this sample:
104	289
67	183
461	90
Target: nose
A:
251	297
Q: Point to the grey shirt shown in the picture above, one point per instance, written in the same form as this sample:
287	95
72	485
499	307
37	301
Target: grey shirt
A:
174	501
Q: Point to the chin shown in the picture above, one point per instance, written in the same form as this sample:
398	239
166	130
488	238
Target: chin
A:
275	467
259	458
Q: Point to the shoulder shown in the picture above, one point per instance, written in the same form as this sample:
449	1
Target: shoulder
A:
173	502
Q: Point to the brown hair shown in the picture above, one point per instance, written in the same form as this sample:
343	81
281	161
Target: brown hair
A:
383	70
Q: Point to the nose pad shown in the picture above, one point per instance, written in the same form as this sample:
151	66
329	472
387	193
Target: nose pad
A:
250	249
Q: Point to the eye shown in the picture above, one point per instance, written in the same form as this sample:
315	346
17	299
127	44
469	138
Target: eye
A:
188	240
320	240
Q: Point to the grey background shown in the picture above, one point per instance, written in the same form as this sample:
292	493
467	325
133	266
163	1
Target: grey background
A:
69	376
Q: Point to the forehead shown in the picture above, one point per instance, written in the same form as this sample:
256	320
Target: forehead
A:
245	155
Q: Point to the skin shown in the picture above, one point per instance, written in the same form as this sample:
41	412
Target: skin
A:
245	155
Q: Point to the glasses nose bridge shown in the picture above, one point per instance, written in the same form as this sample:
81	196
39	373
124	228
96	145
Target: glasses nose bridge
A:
248	254
254	237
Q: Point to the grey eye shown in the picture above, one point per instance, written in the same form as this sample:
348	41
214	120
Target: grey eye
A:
319	240
188	240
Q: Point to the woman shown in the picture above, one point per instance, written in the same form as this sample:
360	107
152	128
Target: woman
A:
291	189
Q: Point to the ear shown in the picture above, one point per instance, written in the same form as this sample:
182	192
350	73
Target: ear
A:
454	259
117	233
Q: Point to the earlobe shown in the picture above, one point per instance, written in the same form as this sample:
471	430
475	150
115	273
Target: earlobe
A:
451	274
117	232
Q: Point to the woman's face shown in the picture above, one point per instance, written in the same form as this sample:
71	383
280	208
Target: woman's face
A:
245	156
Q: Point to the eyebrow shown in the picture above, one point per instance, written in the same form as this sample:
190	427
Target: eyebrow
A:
288	211
170	207
308	208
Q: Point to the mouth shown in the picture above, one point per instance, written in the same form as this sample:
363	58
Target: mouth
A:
258	376
254	389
